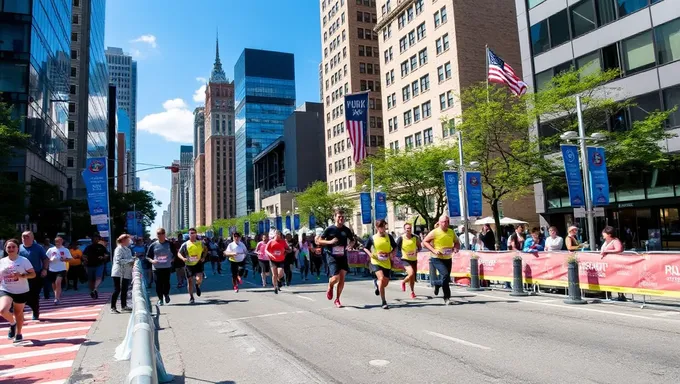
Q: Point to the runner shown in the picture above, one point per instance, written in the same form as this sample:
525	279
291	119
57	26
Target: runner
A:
276	251
56	273
303	257
409	245
76	271
384	248
95	256
161	255
335	240
180	267
192	253
15	272
236	252
316	257
442	242
291	257
263	259
35	253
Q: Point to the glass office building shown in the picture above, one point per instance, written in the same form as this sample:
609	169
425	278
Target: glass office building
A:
264	83
35	59
98	82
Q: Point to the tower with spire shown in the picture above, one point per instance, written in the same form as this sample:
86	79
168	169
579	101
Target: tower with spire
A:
217	75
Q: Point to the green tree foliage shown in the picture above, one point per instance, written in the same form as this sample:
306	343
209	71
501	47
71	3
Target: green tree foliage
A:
12	192
238	222
412	178
140	201
318	201
10	136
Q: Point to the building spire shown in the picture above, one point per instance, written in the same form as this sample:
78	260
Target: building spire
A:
218	75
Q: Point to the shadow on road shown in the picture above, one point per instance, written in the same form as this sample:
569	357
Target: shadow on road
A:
183	379
209	302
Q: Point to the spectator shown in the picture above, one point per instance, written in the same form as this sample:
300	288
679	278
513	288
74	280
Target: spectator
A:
534	243
121	272
553	243
487	237
572	242
75	269
611	245
516	240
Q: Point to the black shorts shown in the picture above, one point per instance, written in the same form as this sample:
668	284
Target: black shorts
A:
412	263
52	276
17	298
264	265
337	264
193	270
386	271
277	264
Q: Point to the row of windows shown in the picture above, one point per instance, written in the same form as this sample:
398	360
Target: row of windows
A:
410	39
368	51
440	17
367	34
414	116
407	16
419	139
369	68
334	27
335	43
366	17
417	86
579	19
340	165
340	184
444	72
446	100
331	12
369	85
657	46
414	62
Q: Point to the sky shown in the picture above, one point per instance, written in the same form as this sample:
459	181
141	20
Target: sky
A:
174	45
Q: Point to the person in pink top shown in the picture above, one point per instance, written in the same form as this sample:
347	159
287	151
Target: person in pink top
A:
611	245
262	258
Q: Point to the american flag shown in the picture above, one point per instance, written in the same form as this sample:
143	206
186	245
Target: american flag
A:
356	118
502	73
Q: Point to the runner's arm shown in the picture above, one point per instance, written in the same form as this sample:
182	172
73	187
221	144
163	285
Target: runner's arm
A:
367	247
151	256
427	243
393	244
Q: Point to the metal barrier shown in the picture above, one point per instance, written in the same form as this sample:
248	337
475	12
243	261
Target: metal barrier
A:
139	345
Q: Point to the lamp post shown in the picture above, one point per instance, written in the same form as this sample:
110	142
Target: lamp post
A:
461	172
582	139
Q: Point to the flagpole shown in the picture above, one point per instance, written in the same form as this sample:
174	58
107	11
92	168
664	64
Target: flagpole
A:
487	72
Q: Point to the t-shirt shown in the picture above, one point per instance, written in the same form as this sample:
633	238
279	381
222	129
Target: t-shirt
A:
35	255
192	252
239	249
56	255
278	249
163	252
10	284
77	257
95	255
261	255
383	246
344	236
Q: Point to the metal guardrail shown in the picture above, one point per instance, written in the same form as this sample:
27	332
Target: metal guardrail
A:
139	345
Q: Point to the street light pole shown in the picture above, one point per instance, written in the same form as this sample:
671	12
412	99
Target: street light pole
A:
463	183
590	218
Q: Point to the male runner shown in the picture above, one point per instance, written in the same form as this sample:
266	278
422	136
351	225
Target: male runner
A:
192	253
335	240
442	242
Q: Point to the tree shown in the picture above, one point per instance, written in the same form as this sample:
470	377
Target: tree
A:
12	191
412	178
238	222
140	201
11	137
318	201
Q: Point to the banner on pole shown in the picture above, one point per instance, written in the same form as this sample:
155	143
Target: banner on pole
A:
288	224
452	195
572	171
221	232
296	221
312	221
267	225
599	181
356	120
474	193
260	227
380	206
246	228
279	223
95	177
365	199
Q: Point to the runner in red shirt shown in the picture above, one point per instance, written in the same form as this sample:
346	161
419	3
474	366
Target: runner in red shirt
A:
276	251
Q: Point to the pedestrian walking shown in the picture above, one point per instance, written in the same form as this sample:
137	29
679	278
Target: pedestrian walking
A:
35	253
121	272
161	255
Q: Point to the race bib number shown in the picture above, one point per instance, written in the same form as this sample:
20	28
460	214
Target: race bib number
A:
447	251
383	256
338	251
162	258
193	258
411	254
277	253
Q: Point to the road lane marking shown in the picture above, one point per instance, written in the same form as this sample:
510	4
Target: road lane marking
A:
64	330
304	297
459	341
36	368
265	315
55	340
44	352
667	314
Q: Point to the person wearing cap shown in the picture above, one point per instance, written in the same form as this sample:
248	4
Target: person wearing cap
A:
572	242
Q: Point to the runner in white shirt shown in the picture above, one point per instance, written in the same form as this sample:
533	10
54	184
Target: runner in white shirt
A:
553	242
236	252
15	271
58	256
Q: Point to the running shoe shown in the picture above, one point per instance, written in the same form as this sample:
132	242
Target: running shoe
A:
12	331
329	294
18	338
35	316
92	294
385	306
167	299
159	303
403	286
448	302
276	290
240	281
236	288
337	303
56	301
96	294
436	290
198	290
413	295
191	301
375	284
114	311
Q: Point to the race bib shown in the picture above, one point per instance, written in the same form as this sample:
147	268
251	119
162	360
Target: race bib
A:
411	254
193	258
162	258
383	256
338	251
447	251
277	253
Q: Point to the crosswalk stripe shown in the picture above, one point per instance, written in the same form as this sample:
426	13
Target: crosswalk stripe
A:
55	340
54	331
36	368
26	355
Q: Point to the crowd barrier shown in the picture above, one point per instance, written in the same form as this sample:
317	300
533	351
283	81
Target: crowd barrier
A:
139	345
653	274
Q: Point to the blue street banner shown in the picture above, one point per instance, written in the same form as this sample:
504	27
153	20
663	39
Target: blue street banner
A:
260	227
135	224
312	221
246	228
572	170
267	225
356	121
95	177
279	223
288	222
380	206
599	181
296	221
474	193
103	230
452	195
365	199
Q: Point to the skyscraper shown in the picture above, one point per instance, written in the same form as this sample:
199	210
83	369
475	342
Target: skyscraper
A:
175	224
34	79
185	164
219	144
265	89
88	91
123	73
198	173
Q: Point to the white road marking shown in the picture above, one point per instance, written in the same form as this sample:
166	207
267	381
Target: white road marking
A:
33	325
459	341
55	382
265	315
36	368
44	352
51	341
64	330
304	297
378	363
667	314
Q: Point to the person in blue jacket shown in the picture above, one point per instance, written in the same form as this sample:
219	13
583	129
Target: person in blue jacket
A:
534	243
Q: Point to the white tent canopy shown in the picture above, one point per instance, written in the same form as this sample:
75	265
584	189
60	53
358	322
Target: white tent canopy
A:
504	221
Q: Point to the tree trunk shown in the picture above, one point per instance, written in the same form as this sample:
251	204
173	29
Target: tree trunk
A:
497	221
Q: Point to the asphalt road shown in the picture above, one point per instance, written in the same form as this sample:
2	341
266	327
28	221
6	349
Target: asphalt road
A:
255	336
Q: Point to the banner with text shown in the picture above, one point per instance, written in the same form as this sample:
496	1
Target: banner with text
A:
365	199
279	223
267	225
95	177
296	222
599	182
288	226
380	206
452	195
474	193
572	171
260	227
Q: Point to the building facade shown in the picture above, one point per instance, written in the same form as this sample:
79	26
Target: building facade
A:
165	220
175	198
186	153
123	150
264	98
123	73
34	80
219	145
640	40
198	190
120	162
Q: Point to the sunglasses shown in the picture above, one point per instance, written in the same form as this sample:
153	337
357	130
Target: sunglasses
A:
160	233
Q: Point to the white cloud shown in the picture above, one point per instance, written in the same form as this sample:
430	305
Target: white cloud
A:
136	54
147	39
202	80
175	124
160	193
199	94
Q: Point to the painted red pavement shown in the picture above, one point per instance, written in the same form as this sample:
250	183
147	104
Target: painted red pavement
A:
51	344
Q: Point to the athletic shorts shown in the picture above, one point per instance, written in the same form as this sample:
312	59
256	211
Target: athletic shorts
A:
193	270
277	264
412	263
337	264
17	298
52	276
94	273
386	272
264	265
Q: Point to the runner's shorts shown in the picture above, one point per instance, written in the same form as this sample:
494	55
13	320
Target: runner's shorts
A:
193	270
17	298
337	264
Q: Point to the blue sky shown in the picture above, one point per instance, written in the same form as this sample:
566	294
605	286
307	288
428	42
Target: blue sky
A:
174	44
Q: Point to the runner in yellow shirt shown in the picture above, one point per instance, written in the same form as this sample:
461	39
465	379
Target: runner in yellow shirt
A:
192	253
442	242
409	245
380	249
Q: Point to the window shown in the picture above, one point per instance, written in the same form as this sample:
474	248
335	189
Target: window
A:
74	54
360	16
447	69
72	89
540	42
416	114
402	44
442	101
409	14
627	7
638	53
414	62
407	118
449	98
606	11
75	19
668	41
427	136
69	162
440	73
362	67
71	107
71	126
438	46
369	68
583	17
419	6
420	31
74	36
559	28
419	139
533	3
671	98
427	110
330	168
437	19
71	143
404	68
360	33
443	13
445	41
589	63
610	57
645	104
406	93
408	142
425	83
369	51
448	128
74	72
422	57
